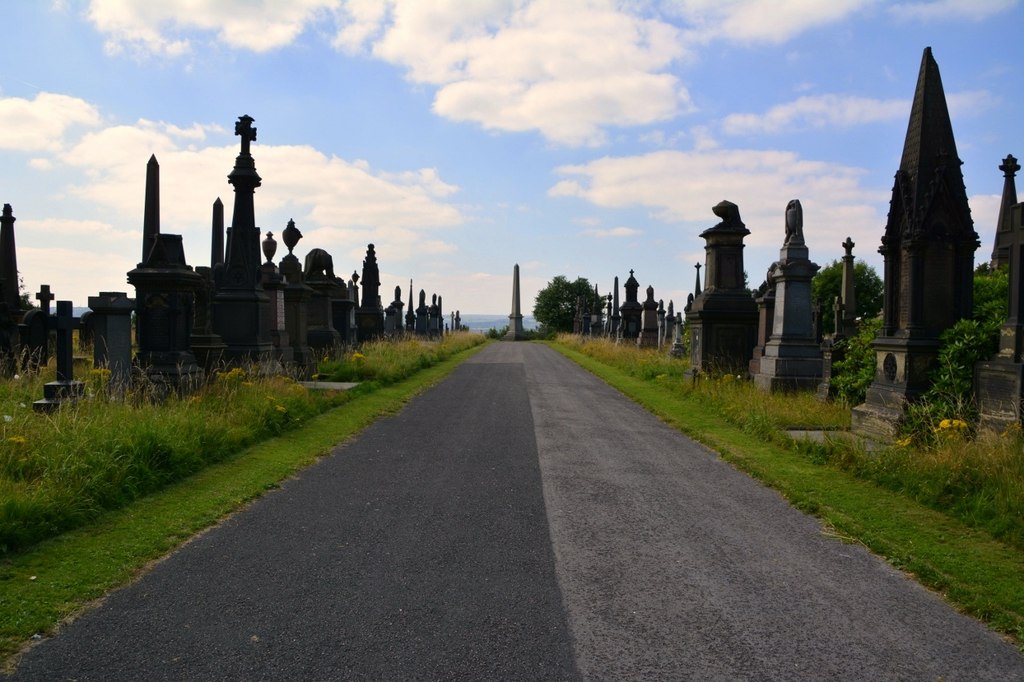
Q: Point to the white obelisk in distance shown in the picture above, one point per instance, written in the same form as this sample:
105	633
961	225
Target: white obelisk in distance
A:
515	320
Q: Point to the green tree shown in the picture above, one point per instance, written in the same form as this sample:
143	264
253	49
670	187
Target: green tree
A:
828	283
555	306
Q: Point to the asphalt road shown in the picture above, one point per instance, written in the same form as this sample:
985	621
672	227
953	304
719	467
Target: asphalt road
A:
522	521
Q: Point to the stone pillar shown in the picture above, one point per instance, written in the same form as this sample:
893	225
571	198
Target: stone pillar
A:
65	388
792	356
648	337
369	316
631	310
723	317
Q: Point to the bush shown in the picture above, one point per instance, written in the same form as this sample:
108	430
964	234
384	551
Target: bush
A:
852	375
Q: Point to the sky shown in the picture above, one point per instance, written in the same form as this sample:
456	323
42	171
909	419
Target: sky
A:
583	138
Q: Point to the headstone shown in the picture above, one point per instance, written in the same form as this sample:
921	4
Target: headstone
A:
661	323
240	303
765	300
296	302
318	275
369	315
648	337
631	310
792	356
65	388
614	315
458	321
1004	224
34	331
847	323
86	327
999	382
274	285
422	315
928	251
112	336
165	298
515	318
678	349
723	316
410	315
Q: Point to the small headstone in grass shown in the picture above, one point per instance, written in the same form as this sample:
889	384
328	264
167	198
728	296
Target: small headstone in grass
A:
65	388
112	336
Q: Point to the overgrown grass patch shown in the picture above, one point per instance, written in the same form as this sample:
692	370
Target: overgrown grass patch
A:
950	514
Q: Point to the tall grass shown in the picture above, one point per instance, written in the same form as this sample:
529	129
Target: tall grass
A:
386	362
61	470
979	481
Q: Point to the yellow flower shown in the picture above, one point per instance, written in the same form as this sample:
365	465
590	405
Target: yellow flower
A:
17	440
357	356
281	408
904	442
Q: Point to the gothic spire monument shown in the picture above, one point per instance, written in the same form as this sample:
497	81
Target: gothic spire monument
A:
240	305
515	319
928	251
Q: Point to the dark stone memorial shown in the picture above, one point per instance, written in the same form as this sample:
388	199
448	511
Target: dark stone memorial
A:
112	336
631	311
1004	223
792	356
515	318
999	382
723	317
65	388
240	304
648	337
318	275
207	346
928	251
274	285
369	316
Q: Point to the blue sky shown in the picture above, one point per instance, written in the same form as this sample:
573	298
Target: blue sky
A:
574	137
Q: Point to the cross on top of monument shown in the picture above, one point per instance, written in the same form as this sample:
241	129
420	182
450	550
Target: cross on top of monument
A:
848	245
244	129
1009	166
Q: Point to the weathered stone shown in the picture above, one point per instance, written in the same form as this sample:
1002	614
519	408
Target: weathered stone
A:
515	318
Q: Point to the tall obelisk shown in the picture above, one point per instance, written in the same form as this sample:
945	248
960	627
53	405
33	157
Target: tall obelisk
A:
515	320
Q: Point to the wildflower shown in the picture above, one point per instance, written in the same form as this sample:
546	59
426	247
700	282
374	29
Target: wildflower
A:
904	442
281	408
661	377
357	356
17	440
8	418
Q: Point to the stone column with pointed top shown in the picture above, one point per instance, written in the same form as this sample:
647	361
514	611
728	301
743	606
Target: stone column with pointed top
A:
515	318
616	317
928	253
410	315
369	316
240	305
151	210
631	310
648	337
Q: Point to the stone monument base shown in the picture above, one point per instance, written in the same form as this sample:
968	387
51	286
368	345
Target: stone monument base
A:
999	390
789	366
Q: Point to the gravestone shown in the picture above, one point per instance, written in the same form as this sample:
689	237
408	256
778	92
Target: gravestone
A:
410	315
615	316
648	337
296	301
369	315
928	253
631	310
274	285
999	382
112	336
208	347
240	304
422	314
844	318
65	388
723	317
678	349
86	329
34	331
318	275
792	356
670	324
765	300
344	302
1004	222
10	289
515	318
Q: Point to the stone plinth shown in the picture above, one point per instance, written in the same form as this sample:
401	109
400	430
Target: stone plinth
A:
112	335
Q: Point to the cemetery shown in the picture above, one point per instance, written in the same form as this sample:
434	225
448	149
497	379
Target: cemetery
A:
200	362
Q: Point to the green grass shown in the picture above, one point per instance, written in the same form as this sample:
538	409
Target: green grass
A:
52	580
978	573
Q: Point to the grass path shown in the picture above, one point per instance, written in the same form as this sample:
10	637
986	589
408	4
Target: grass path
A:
977	574
55	579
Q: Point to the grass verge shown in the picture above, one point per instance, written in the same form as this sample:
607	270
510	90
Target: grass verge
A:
54	579
978	574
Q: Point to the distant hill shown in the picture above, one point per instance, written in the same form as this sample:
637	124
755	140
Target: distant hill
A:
482	323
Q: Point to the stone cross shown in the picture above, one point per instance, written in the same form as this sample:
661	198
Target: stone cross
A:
44	297
696	287
244	129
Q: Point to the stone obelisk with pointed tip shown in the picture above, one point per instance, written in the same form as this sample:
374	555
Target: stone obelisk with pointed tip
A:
151	210
515	319
928	251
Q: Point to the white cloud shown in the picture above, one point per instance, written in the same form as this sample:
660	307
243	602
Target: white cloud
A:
817	111
612	232
767	21
165	28
950	10
40	124
566	69
683	186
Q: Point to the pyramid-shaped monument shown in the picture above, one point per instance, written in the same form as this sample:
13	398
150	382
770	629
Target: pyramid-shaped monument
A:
928	250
